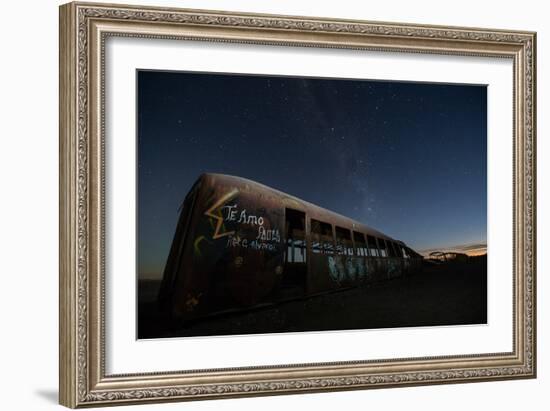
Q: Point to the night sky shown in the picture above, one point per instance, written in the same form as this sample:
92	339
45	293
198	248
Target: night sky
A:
408	159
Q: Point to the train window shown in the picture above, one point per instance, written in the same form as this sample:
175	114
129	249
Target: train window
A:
295	236
382	246
404	252
373	248
391	249
398	250
360	244
344	246
322	240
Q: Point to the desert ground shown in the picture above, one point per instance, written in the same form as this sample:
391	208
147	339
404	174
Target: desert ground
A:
445	294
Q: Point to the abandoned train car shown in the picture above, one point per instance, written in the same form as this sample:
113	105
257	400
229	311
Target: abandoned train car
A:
239	244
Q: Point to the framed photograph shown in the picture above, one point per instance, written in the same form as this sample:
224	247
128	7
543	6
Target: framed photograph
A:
259	204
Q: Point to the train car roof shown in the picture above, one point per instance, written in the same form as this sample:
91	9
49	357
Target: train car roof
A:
290	201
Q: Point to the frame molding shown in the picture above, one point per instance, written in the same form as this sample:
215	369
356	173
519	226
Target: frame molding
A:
83	30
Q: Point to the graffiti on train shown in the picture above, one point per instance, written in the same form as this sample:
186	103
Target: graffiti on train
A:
232	213
236	241
250	229
347	269
256	235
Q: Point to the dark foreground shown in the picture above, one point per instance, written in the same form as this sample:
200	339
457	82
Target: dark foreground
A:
451	294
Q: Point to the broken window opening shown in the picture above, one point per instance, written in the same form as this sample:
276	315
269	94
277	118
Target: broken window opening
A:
373	247
344	245
322	241
382	247
296	251
361	248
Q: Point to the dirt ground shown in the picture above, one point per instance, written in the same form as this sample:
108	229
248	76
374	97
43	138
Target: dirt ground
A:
450	294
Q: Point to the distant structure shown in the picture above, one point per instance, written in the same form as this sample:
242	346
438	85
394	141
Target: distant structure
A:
239	244
447	256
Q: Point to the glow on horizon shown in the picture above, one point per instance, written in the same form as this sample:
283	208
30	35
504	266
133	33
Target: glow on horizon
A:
470	250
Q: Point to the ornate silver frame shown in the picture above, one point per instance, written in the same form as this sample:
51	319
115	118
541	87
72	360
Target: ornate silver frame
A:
83	30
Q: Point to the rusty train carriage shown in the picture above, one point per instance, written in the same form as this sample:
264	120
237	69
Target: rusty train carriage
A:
239	244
